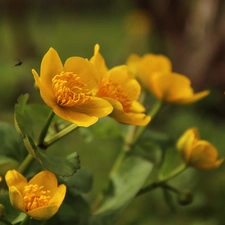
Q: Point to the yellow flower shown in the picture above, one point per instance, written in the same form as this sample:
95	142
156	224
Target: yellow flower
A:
174	88
145	66
198	153
39	198
121	89
70	89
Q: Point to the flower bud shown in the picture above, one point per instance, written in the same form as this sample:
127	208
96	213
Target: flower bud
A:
185	198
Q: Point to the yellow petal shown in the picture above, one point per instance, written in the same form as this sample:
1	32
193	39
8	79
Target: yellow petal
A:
59	196
46	179
132	62
50	66
122	76
70	114
14	178
46	92
16	198
98	61
85	70
46	212
98	107
138	119
186	143
137	107
194	98
43	213
204	156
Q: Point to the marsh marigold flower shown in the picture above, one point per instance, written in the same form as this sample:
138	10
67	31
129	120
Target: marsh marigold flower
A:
145	66
70	89
119	87
39	198
174	88
197	153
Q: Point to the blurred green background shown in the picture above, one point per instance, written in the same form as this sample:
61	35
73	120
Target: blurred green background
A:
190	33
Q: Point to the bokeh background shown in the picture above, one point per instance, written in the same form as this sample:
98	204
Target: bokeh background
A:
190	32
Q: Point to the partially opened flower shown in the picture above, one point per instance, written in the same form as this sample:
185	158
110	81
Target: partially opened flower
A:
121	89
198	153
70	89
174	88
145	66
39	198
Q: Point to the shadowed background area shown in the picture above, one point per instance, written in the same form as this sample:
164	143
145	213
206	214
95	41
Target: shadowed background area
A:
190	33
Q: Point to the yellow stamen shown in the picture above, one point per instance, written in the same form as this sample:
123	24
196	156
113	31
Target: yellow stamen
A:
34	196
114	90
69	90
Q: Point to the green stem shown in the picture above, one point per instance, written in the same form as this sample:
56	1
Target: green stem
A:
26	220
162	182
59	135
25	164
152	114
132	137
45	128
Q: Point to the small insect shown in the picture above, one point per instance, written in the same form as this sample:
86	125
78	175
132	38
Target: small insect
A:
19	63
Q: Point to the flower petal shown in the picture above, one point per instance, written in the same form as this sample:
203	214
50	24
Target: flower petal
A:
46	179
132	62
59	196
98	107
43	213
122	76
194	98
204	156
98	61
79	118
14	178
186	142
51	65
16	198
46	212
138	119
85	70
46	92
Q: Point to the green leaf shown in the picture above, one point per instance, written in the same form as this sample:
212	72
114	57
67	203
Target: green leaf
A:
80	182
6	164
125	184
11	144
30	118
63	166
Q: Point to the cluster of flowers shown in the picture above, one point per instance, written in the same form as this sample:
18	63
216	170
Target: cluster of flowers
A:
82	91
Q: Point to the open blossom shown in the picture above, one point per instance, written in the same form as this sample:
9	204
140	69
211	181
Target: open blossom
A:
39	198
198	153
119	87
145	66
70	89
174	88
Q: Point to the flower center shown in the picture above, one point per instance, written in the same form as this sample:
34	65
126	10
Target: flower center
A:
69	90
114	90
34	196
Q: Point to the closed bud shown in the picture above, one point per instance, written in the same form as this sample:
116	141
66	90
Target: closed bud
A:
185	198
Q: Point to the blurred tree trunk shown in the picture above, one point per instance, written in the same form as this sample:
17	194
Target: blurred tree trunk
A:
194	34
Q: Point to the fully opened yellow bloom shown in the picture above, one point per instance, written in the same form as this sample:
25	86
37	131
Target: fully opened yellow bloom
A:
39	198
121	89
174	88
145	66
70	89
198	153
